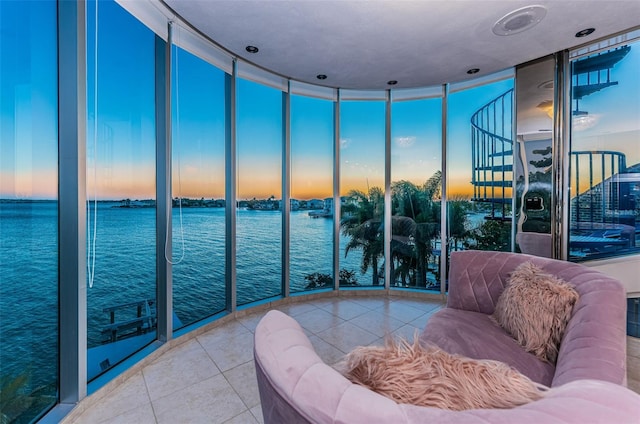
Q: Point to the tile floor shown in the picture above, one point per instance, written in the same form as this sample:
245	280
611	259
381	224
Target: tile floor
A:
210	378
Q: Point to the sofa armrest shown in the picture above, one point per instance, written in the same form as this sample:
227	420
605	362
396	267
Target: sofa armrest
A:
594	342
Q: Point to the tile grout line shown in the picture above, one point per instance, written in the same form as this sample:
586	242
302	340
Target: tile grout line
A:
146	387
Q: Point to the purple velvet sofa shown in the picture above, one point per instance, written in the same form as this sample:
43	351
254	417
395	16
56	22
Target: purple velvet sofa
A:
587	382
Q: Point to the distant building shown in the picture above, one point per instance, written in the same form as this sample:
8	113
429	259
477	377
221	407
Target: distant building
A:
315	204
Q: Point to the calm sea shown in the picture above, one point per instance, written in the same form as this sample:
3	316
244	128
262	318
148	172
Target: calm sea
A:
124	269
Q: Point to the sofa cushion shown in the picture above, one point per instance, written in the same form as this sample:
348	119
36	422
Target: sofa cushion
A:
475	335
535	308
428	376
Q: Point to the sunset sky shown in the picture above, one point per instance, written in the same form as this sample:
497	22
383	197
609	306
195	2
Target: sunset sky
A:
121	162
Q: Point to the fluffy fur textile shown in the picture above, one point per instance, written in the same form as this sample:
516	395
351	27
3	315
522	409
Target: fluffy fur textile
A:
408	373
535	308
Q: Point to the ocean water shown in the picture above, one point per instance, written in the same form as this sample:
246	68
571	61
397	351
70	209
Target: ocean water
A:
124	269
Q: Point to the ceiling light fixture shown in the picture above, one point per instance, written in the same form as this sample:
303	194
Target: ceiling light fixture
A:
392	82
585	32
252	49
519	20
473	71
547	85
321	76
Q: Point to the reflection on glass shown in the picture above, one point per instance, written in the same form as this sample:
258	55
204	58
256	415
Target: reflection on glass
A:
121	245
605	154
311	226
533	156
28	210
362	146
479	167
198	188
259	220
416	157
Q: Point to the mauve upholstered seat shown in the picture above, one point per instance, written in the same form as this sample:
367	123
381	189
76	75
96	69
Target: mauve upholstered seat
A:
474	335
587	382
594	342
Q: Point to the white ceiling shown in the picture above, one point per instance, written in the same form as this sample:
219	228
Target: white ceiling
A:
364	44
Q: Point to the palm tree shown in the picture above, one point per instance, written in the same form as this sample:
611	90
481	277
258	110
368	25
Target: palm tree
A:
361	221
417	204
458	221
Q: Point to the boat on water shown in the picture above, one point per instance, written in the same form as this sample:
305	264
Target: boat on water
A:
324	213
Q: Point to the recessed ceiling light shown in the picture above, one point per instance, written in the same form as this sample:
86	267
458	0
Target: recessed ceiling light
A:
585	32
473	71
392	82
547	85
519	20
321	77
252	49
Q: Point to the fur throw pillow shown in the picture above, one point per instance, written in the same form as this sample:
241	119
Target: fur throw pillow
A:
409	373
535	308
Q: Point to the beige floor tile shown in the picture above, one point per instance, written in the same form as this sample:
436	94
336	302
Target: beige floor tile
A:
257	412
426	304
344	309
231	329
142	414
245	418
371	302
323	302
210	401
377	322
407	332
125	398
228	349
404	312
318	320
295	309
243	380
250	322
328	353
180	367
422	320
347	336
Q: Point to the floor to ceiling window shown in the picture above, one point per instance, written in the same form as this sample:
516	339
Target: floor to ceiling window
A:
121	222
604	201
362	152
198	188
311	224
28	210
259	217
416	177
479	167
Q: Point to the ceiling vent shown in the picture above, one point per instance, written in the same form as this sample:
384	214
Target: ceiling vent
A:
519	20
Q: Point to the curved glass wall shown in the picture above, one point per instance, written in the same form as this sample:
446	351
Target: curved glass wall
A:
28	210
480	167
121	216
121	189
416	178
604	201
362	152
311	224
198	188
259	217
